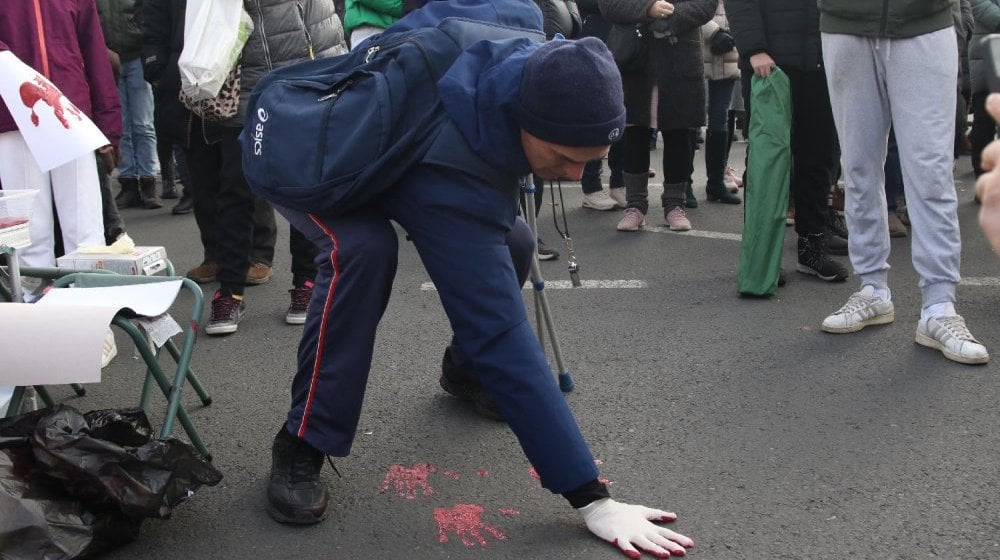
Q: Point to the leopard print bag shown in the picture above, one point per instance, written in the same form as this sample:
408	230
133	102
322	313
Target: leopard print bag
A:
223	106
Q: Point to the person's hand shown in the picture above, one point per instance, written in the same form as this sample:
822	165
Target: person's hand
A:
660	9
988	184
629	526
762	63
109	156
116	63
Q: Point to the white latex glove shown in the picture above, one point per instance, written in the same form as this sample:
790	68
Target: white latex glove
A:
628	526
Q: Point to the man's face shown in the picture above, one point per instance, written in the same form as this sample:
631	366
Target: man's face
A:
553	161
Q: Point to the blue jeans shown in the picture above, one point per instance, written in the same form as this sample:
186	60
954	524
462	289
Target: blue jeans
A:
138	144
720	97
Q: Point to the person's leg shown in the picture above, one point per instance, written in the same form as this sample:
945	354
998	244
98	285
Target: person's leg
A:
235	212
813	140
635	177
183	176
720	95
860	108
143	132
113	224
265	232
356	262
678	166
456	375
76	195
355	266
984	129
18	171
168	167
459	229
303	276
203	167
925	151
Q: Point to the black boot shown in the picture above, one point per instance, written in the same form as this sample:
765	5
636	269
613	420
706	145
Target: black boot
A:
128	196
716	145
462	385
147	191
689	199
814	259
185	205
295	493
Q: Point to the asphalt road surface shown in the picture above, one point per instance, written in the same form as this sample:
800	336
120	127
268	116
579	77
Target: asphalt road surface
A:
769	438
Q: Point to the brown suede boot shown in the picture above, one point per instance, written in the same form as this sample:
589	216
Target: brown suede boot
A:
147	190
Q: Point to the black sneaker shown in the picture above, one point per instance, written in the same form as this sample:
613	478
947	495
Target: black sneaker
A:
227	312
814	259
295	493
457	383
545	253
299	308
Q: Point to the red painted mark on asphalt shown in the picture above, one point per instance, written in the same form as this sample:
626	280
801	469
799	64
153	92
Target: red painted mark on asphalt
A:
451	474
509	512
408	480
482	474
464	520
534	474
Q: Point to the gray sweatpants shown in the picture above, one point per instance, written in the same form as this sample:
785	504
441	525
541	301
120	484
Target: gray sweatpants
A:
909	83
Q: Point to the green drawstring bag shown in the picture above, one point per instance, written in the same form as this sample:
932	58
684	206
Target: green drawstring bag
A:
766	195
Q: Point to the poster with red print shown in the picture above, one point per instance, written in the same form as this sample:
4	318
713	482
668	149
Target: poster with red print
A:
54	129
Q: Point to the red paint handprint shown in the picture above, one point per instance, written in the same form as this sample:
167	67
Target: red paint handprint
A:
407	480
464	520
40	89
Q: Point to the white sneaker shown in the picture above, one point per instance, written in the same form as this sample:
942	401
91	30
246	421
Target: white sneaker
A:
618	195
861	310
951	336
598	201
110	349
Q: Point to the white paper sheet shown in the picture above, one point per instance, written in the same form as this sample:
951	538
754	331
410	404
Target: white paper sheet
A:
144	299
54	129
51	344
59	339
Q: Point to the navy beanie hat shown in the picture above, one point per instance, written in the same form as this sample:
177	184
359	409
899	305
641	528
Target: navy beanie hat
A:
571	94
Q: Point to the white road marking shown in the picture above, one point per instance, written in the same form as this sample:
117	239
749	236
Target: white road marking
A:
567	285
983	281
697	233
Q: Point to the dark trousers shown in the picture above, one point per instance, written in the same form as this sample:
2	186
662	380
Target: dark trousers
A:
813	143
984	129
236	227
217	174
459	227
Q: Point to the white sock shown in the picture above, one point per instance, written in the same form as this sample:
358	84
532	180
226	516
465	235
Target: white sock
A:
883	293
943	309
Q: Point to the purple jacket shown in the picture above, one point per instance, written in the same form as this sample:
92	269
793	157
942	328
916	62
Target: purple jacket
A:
67	46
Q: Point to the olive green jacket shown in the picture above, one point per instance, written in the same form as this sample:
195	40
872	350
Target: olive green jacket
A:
121	30
884	18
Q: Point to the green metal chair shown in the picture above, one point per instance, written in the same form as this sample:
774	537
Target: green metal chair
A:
154	371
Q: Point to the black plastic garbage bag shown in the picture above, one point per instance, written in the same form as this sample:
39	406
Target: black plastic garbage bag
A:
75	484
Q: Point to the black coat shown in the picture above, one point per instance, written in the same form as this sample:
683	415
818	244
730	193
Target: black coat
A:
162	24
675	64
787	30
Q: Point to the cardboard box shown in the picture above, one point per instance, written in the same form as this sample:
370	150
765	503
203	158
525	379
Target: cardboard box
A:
143	261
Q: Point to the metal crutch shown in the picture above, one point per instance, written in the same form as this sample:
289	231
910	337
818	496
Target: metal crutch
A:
542	311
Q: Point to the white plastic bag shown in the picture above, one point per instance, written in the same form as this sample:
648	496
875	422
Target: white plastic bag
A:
214	34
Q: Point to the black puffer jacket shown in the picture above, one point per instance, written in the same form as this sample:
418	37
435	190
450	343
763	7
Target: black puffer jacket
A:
675	62
787	30
560	16
285	32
